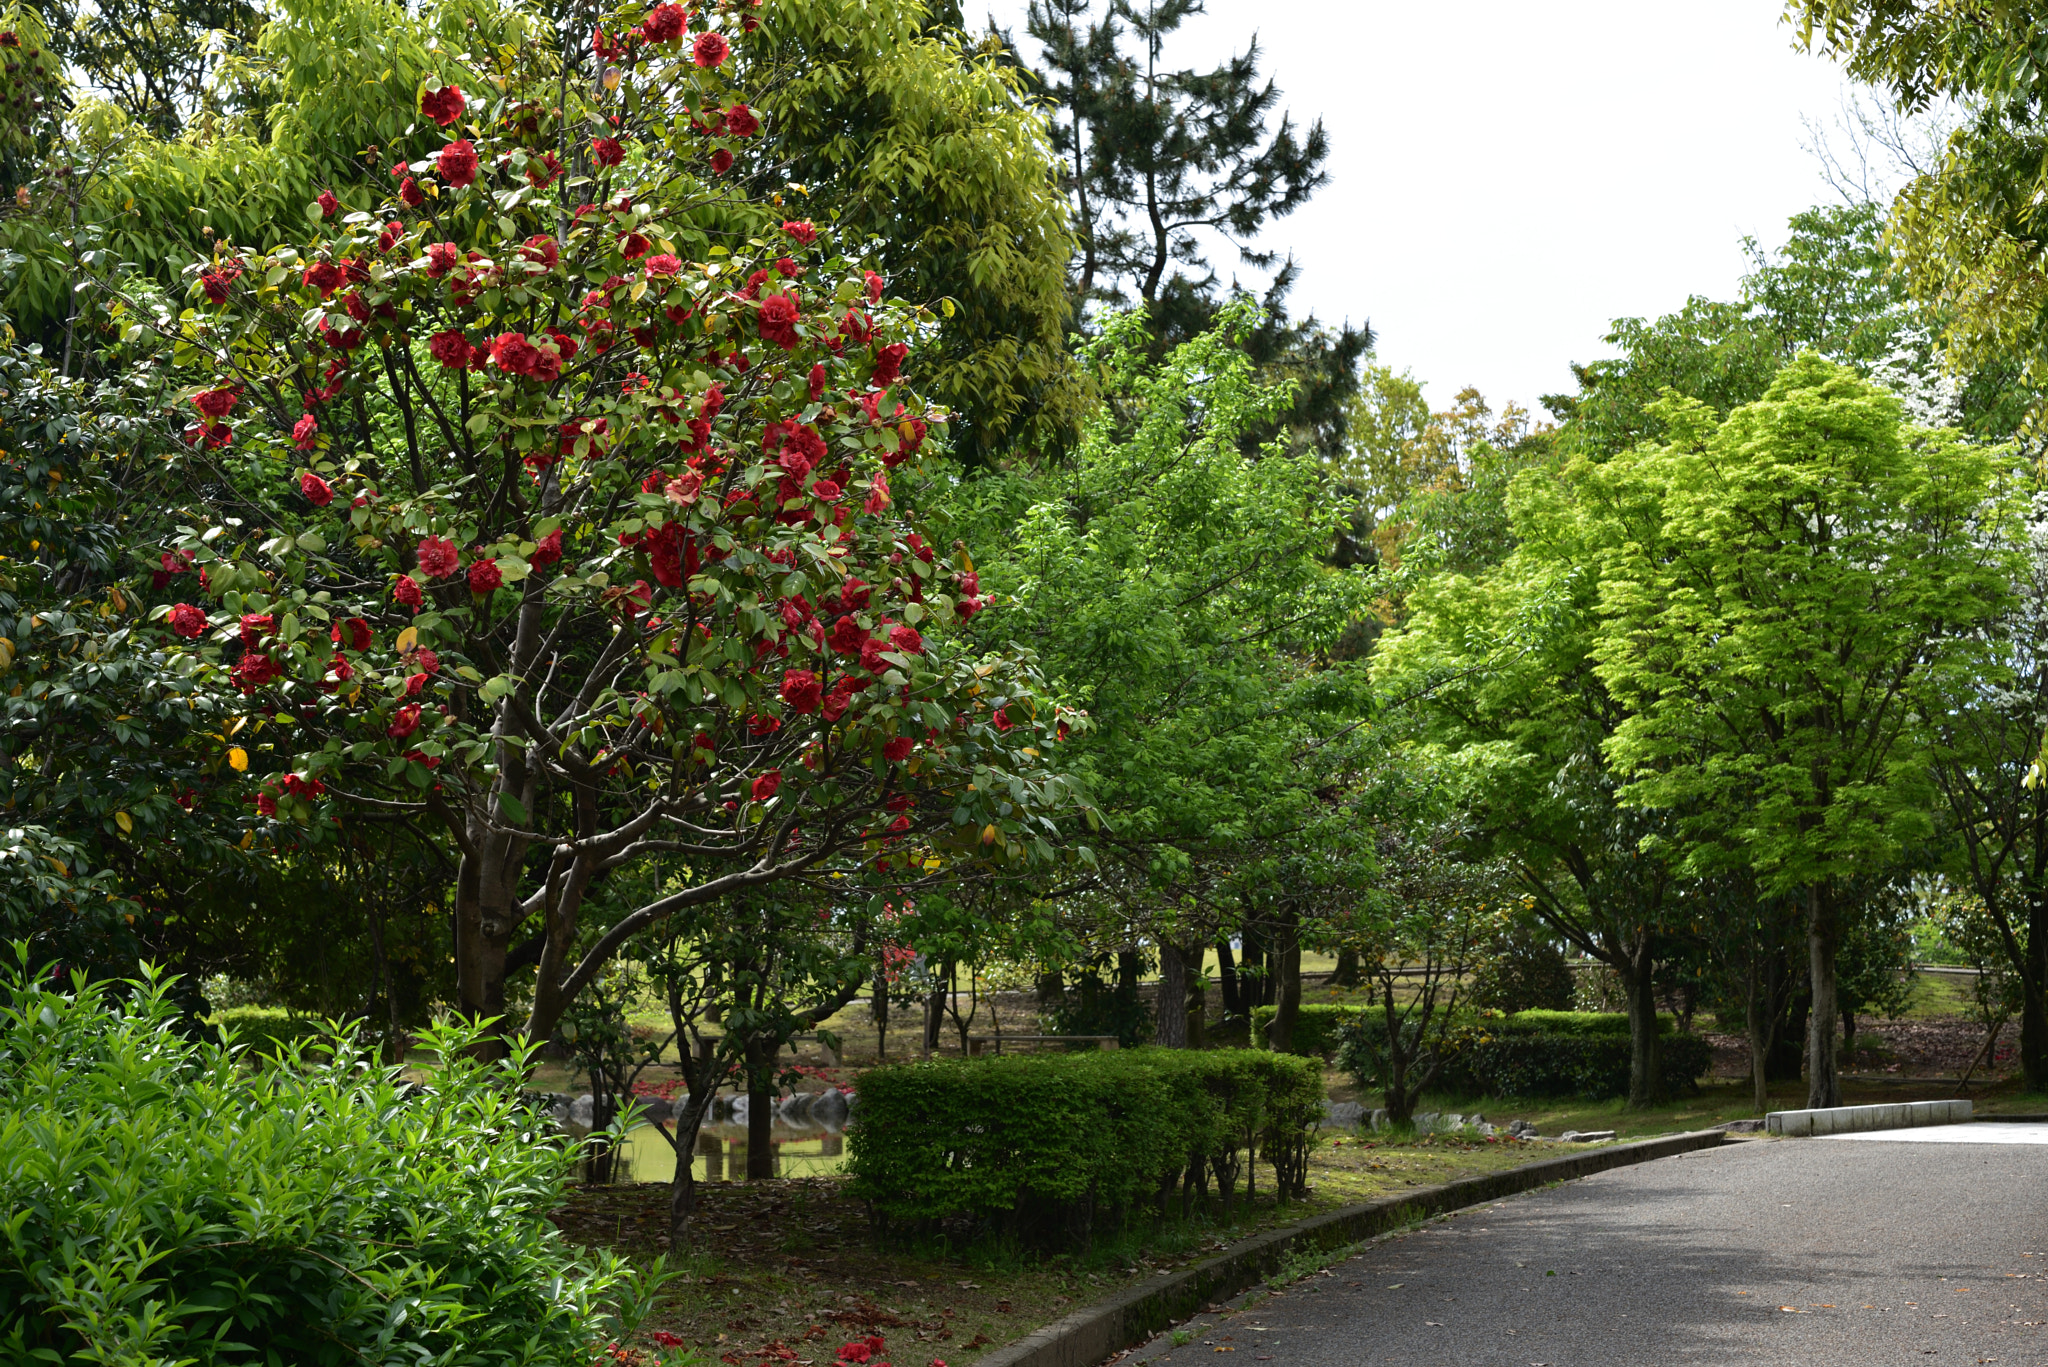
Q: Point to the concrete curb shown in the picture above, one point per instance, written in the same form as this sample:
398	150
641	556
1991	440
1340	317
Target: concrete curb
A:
1894	1115
1093	1333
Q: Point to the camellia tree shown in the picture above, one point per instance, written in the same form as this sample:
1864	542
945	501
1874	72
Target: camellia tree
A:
562	505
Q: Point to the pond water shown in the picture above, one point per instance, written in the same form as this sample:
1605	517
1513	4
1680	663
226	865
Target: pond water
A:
721	1153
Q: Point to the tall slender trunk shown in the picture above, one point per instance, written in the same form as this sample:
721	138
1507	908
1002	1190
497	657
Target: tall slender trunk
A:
682	1192
1171	1031
760	1109
1287	1001
1823	1080
1233	986
2034	1004
1760	1011
1645	1066
394	1052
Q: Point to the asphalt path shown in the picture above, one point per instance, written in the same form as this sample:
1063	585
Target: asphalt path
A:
1815	1252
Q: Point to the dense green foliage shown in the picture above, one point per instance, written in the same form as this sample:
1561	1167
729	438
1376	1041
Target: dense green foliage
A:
1531	1054
1050	1147
167	1202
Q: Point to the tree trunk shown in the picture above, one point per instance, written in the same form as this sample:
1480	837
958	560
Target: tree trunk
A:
1287	1006
1761	1017
394	1051
1197	1000
1823	1081
1233	986
760	1112
1645	1064
1849	1033
934	1017
2034	1002
1347	968
682	1192
1171	1030
881	1010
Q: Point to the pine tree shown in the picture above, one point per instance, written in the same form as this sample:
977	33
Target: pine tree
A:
1159	164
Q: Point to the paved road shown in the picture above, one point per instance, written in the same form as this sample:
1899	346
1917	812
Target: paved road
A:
1811	1252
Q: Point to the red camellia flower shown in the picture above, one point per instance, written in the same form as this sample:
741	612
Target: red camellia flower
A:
407	591
215	283
388	238
874	283
187	621
848	636
484	576
457	163
764	787
710	50
889	364
663	265
906	640
721	161
256	670
266	804
878	493
325	277
777	321
741	121
802	691
329	205
547	550
664	25
318	491
404	722
803	230
306	432
443	257
255	626
633	246
443	106
513	354
215	403
827	491
606	151
451	349
438	558
409	190
352	634
542	251
898	750
1003	722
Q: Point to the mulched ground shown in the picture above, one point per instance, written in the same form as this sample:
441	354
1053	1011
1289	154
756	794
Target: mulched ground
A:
1942	1047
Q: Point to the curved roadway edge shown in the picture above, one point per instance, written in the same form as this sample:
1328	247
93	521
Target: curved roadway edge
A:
1093	1333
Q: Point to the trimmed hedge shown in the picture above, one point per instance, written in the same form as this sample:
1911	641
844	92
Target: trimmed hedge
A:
1315	1028
1524	1056
1592	1065
1048	1147
1573	1023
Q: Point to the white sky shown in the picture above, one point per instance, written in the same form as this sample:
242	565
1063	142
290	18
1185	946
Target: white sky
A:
1507	176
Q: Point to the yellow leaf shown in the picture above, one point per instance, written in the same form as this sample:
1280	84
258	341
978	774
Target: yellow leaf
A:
125	822
248	839
988	834
407	639
238	759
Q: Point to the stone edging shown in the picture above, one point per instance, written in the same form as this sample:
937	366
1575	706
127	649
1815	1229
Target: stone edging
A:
1093	1333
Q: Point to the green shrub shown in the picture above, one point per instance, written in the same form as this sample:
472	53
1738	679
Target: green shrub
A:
1516	1057
168	1204
1046	1148
1574	1023
1315	1028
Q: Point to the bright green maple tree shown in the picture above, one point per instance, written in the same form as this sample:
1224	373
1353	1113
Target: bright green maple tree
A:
1781	591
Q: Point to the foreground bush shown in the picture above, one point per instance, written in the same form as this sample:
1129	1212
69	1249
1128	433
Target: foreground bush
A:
1048	1148
168	1204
